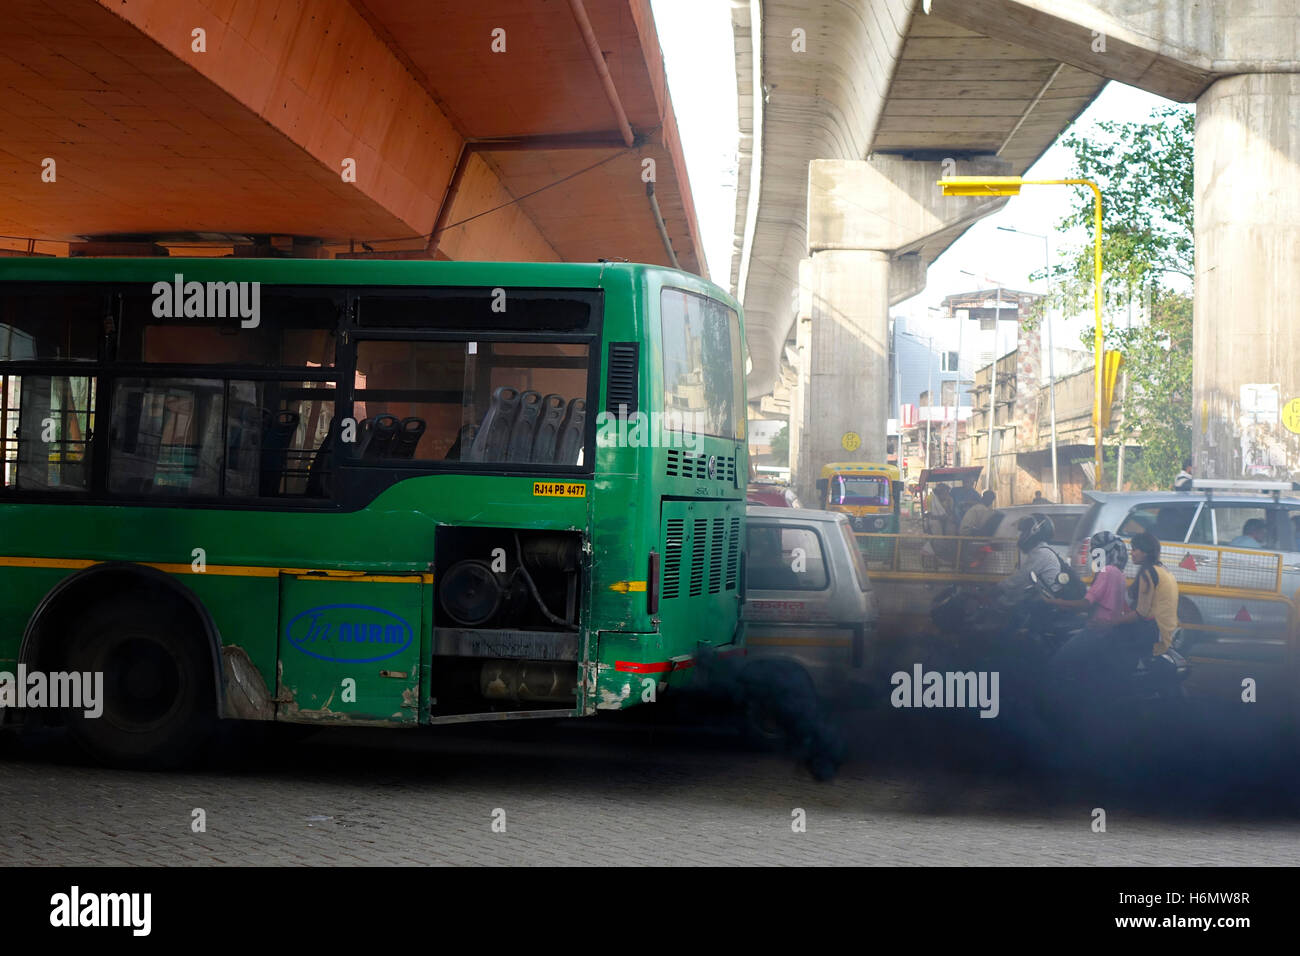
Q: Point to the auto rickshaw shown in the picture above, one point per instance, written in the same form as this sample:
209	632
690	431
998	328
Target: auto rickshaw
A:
959	480
868	492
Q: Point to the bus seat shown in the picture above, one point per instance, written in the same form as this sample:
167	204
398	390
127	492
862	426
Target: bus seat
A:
408	437
464	441
320	471
277	433
569	441
381	437
247	425
548	428
494	432
524	431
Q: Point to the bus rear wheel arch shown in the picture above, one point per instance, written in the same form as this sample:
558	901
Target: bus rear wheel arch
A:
156	701
156	649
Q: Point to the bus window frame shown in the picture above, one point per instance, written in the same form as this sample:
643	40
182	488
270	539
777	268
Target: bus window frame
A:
106	369
739	415
460	466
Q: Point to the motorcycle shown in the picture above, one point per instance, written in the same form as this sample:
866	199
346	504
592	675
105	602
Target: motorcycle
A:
1021	641
1151	678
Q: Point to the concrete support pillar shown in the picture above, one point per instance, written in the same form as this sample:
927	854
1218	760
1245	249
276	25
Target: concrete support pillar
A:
798	427
868	224
848	381
1247	318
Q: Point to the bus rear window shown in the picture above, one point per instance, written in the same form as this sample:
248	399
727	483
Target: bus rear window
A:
703	384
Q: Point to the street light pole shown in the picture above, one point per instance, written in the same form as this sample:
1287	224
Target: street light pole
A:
1051	350
929	395
993	392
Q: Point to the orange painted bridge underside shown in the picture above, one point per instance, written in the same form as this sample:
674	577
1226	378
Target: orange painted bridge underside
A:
251	135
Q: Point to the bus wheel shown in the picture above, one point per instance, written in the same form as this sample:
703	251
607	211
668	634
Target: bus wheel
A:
157	684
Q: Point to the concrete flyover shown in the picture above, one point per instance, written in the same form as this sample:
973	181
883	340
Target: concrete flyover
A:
1239	61
837	213
861	90
231	122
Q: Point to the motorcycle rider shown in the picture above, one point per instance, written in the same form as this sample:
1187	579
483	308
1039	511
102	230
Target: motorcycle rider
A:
1098	653
1037	560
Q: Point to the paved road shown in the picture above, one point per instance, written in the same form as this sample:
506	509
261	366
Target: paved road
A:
950	791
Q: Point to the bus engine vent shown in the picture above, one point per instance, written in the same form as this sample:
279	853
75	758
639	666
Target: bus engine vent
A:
717	554
699	547
673	557
690	465
733	555
621	383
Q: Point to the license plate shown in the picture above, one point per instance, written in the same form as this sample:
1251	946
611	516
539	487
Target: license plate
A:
549	489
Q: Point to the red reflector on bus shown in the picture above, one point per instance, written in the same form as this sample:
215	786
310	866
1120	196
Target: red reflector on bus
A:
1243	615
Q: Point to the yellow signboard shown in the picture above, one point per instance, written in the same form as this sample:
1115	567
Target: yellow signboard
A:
851	441
1291	415
556	489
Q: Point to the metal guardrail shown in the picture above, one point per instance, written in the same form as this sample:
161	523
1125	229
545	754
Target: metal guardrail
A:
1209	566
1230	575
940	558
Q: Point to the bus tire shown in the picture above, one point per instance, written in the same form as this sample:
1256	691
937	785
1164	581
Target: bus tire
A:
157	684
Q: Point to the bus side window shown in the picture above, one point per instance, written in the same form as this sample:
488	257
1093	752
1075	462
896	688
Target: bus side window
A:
46	422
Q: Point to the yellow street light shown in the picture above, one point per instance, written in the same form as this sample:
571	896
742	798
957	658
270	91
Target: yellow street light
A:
1010	186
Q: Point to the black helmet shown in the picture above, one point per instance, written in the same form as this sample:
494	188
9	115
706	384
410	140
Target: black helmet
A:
1034	530
1107	548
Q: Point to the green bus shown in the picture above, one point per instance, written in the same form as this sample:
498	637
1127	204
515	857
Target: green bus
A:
363	492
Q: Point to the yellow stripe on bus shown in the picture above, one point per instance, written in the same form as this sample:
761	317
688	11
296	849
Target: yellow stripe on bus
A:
225	570
622	587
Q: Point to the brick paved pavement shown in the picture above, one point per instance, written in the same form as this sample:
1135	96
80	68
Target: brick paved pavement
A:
580	792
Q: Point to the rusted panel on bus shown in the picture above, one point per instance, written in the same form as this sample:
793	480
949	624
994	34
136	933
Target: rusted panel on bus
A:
291	713
246	694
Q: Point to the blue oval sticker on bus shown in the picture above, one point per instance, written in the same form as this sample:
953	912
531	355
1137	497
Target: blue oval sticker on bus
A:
349	633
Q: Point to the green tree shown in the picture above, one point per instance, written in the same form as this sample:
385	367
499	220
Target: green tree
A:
781	446
1145	171
1155	411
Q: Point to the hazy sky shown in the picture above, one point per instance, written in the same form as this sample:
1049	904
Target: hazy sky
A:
696	39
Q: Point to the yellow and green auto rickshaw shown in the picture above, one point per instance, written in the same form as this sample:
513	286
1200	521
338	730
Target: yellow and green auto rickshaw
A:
868	492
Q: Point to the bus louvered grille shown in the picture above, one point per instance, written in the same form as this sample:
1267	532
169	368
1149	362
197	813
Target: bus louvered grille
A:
717	554
699	549
673	557
733	555
621	381
689	465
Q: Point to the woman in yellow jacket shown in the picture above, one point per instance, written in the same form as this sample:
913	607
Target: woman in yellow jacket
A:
1154	597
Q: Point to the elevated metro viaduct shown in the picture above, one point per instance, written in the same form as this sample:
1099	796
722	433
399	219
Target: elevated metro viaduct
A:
845	134
500	130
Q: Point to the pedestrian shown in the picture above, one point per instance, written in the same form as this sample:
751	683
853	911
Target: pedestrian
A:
1184	480
1039	499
